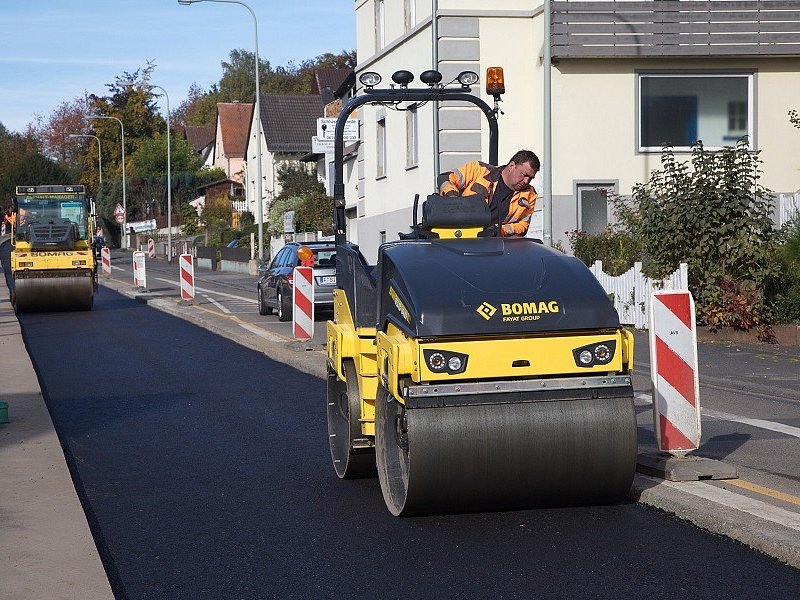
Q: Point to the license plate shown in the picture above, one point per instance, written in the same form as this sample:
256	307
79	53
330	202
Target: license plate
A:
327	280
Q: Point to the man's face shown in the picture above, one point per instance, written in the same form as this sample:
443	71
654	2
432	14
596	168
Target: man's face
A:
518	176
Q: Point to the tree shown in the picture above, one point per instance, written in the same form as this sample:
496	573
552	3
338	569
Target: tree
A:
237	83
302	192
53	133
216	217
22	163
150	158
715	216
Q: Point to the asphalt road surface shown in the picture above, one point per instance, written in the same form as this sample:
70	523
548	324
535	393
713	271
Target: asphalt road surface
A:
204	471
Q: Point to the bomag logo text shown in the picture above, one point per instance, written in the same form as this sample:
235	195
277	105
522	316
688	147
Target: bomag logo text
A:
51	253
528	311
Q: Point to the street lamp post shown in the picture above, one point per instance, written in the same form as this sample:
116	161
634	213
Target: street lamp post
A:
257	110
124	198
99	154
169	171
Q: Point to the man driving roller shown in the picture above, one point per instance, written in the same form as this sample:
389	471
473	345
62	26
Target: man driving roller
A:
506	189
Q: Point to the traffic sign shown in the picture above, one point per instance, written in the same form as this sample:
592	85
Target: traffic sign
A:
119	210
119	218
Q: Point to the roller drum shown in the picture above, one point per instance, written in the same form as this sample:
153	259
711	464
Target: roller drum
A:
505	455
350	460
35	294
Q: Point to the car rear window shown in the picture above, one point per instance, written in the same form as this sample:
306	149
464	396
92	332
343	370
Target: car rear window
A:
325	257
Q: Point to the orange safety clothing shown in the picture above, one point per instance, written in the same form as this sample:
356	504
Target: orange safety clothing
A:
480	179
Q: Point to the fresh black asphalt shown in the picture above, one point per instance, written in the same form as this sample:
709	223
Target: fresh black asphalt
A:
204	471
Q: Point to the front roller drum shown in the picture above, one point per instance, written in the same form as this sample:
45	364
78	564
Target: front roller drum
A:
36	294
508	455
352	454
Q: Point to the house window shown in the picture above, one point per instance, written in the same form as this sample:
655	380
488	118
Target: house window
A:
593	206
412	146
410	14
380	146
679	110
382	237
380	25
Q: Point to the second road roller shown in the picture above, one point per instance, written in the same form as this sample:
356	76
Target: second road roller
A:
53	264
473	373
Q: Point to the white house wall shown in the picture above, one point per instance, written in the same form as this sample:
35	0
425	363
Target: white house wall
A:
594	119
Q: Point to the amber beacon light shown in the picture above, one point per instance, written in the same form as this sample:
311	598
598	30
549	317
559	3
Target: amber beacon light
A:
495	83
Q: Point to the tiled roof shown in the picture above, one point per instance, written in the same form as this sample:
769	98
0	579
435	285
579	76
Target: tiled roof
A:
234	123
199	136
290	121
328	80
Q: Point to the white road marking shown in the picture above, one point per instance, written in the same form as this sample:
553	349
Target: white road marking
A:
723	416
745	504
771	425
217	304
260	332
117	268
216	293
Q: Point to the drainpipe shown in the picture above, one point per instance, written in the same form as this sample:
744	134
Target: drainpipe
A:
547	167
435	67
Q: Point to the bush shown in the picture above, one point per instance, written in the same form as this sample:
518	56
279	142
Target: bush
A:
785	286
716	217
618	249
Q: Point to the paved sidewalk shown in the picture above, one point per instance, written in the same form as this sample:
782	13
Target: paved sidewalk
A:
46	548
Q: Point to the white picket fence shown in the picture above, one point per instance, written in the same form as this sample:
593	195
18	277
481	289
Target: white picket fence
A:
631	291
787	208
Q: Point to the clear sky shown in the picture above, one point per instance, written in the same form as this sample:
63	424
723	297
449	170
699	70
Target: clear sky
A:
57	50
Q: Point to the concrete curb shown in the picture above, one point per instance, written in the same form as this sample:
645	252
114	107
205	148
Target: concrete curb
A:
683	499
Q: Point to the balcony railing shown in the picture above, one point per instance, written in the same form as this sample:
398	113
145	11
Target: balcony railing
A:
659	28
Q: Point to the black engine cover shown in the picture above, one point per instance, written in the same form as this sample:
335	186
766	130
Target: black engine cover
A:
432	288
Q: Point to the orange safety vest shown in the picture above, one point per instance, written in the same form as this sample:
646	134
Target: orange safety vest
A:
478	178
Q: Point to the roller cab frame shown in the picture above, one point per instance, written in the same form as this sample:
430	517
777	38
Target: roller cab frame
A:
53	263
474	373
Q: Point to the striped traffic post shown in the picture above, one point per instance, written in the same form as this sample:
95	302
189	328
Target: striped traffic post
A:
673	372
151	248
105	260
139	272
303	303
187	277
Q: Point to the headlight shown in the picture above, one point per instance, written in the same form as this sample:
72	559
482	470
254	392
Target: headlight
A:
25	264
78	263
599	353
442	361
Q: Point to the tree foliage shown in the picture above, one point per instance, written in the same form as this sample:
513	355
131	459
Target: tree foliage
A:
237	83
306	196
712	213
23	163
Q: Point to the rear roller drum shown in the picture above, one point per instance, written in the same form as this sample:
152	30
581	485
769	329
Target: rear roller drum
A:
351	453
503	456
37	294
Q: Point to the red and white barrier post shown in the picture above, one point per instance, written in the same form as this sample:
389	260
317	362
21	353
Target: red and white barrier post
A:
673	372
151	248
139	271
187	277
303	303
105	260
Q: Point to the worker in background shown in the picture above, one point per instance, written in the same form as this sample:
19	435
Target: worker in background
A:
506	189
9	218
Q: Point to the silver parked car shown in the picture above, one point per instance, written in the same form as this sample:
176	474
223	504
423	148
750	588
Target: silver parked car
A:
275	281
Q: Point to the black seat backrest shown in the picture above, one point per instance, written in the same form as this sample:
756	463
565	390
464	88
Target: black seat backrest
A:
455	211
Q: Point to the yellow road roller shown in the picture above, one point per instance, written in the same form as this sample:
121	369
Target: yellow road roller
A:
474	373
52	260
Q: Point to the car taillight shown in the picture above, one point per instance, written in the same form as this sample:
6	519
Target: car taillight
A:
290	278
